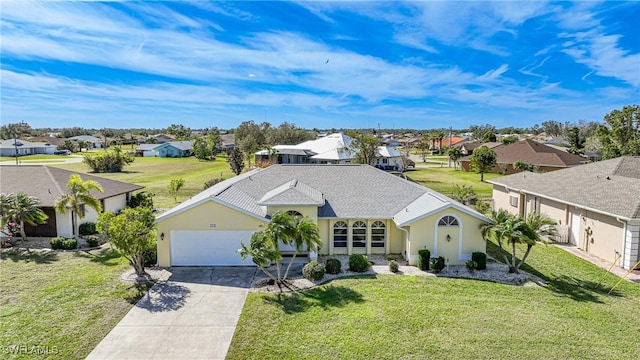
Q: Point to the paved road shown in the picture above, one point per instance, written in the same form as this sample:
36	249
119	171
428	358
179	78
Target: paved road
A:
193	315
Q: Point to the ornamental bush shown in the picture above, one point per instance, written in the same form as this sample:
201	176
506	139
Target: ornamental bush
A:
56	243
87	228
333	266
437	264
69	244
92	240
313	270
358	263
471	266
393	266
424	257
481	260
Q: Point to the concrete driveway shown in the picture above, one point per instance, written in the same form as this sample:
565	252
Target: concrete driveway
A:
193	315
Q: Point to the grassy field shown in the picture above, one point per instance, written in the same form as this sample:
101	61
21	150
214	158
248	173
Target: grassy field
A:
407	317
155	173
442	179
34	158
64	303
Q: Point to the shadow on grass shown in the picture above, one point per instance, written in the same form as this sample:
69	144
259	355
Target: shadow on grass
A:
24	255
106	256
575	288
165	296
325	297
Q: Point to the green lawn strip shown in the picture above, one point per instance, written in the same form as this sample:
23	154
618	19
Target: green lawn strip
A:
155	173
442	179
391	316
27	158
64	301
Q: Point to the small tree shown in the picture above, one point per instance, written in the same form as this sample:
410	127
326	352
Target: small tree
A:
423	147
141	199
464	193
202	149
131	232
174	187
364	147
78	194
455	153
482	160
236	161
523	166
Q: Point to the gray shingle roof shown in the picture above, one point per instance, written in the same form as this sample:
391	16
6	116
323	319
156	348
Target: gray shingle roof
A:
610	186
48	183
349	191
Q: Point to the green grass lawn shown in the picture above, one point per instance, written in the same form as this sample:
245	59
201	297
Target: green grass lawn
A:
38	158
407	317
64	302
155	173
442	179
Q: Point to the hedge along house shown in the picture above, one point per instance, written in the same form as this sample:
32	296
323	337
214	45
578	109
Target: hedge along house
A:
596	206
358	209
48	183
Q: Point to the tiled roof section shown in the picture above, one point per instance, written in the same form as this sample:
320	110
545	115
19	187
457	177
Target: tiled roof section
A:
610	186
293	192
48	183
533	152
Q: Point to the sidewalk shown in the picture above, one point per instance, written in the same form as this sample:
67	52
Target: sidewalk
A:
634	276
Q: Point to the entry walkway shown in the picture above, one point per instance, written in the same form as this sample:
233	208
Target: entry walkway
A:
634	276
193	315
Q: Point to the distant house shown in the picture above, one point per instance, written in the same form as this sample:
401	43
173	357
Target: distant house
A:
168	149
22	147
48	183
331	149
51	140
557	141
164	138
452	141
546	158
596	206
467	147
95	142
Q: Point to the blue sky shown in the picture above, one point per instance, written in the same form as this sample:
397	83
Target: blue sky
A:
317	64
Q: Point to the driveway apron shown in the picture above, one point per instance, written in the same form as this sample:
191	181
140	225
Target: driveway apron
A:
193	315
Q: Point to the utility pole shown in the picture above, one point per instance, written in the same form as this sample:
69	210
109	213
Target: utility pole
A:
15	145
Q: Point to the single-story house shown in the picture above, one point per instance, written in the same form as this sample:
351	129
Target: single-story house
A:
48	183
164	138
167	149
596	206
331	149
467	147
9	147
358	209
95	142
546	158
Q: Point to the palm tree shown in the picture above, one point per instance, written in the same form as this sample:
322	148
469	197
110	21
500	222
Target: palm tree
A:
25	209
454	155
79	193
305	235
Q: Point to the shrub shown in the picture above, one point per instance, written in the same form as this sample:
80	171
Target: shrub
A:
437	264
393	266
471	266
141	199
150	257
108	162
92	240
313	270
209	183
424	256
87	228
333	266
358	263
69	244
56	243
480	259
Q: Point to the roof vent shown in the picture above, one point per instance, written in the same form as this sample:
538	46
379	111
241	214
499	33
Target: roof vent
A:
608	178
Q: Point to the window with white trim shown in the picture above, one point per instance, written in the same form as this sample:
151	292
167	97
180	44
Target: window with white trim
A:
295	214
513	201
448	221
359	234
378	234
340	234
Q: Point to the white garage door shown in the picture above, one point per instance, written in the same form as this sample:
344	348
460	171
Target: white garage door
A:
204	248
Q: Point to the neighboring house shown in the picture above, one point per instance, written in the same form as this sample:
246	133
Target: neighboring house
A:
95	142
164	138
596	206
22	147
452	141
48	183
168	149
467	147
331	149
358	209
557	141
51	140
546	158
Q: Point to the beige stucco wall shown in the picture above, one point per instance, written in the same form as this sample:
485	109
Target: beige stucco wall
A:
606	238
465	239
555	210
501	199
209	215
64	225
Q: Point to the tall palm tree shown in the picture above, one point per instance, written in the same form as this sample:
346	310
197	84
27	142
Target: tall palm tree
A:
455	153
25	209
510	229
305	235
78	194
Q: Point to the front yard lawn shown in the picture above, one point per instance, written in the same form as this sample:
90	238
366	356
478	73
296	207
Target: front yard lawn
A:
442	179
155	173
405	317
64	303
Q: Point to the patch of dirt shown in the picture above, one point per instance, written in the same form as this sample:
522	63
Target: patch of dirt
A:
155	274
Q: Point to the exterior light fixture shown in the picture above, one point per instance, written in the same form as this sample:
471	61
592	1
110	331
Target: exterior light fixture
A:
448	237
161	236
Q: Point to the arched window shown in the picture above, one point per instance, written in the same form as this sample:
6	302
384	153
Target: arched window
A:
359	234
448	221
340	230
295	214
378	234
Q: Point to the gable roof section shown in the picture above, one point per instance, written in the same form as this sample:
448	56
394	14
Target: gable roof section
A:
23	144
533	152
610	186
339	191
48	183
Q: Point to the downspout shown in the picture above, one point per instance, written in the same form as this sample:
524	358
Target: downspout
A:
624	239
406	240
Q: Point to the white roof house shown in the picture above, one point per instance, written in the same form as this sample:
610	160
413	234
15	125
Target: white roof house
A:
23	147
